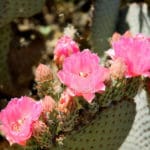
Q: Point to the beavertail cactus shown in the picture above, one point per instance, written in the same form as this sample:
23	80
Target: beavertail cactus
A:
5	78
104	21
10	10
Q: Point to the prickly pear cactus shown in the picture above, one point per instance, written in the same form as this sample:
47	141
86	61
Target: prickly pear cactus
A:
107	131
104	21
5	38
118	90
9	10
134	17
139	136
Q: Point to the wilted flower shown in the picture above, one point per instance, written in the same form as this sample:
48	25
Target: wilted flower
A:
43	73
83	75
64	48
17	119
134	52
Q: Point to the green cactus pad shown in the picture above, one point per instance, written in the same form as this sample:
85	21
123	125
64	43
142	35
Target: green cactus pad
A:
139	136
107	131
114	92
12	9
104	20
5	38
132	87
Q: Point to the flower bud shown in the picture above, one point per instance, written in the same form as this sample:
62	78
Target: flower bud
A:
43	73
64	48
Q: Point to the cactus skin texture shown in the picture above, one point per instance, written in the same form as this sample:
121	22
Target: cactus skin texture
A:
139	135
118	90
104	21
107	131
10	10
5	38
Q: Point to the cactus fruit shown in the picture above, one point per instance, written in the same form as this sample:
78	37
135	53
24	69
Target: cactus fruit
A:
10	10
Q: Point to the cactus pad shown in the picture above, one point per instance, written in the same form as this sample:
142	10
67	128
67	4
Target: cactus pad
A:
5	38
139	136
12	9
104	20
107	131
114	92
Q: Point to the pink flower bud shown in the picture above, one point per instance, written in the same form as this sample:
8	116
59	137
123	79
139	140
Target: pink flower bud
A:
66	102
43	73
39	128
117	69
64	48
48	104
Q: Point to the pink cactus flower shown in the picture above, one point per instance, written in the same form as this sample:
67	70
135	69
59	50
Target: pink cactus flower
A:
83	75
64	48
134	52
43	73
17	119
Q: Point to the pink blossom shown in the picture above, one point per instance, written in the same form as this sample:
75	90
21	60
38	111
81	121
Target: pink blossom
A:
17	119
43	73
135	53
83	75
64	48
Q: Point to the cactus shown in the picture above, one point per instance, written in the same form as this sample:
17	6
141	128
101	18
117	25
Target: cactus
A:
110	17
5	79
138	137
118	118
10	10
104	20
107	131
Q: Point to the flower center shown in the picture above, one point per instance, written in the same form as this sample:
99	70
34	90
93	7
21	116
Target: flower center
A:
83	74
16	125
